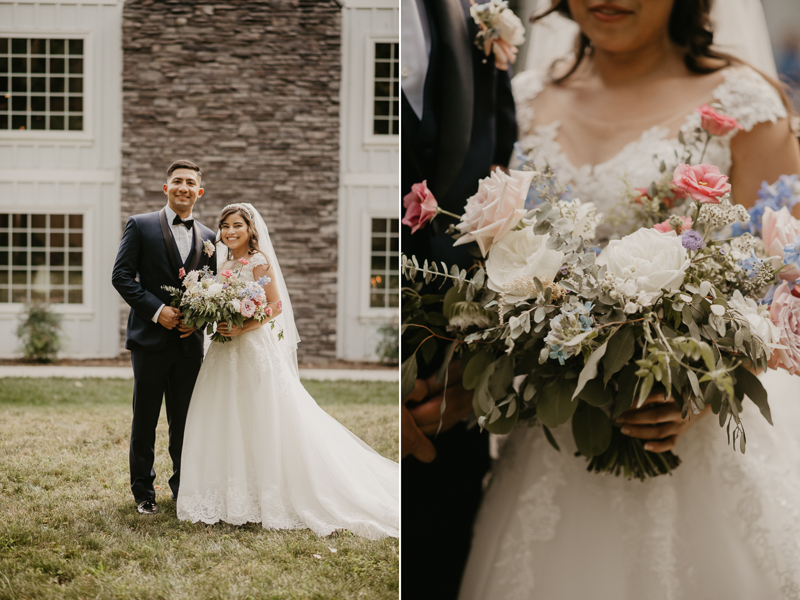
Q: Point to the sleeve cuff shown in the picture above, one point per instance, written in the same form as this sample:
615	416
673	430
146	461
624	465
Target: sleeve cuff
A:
158	312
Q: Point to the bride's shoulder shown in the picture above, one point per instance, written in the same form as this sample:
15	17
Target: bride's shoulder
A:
534	97
257	259
749	97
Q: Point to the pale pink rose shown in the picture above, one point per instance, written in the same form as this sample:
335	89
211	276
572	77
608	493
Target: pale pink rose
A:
785	314
716	123
279	306
248	308
704	183
226	273
244	261
665	227
779	229
420	206
496	209
181	273
269	311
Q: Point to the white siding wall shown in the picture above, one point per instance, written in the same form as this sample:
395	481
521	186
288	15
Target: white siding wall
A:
73	172
369	175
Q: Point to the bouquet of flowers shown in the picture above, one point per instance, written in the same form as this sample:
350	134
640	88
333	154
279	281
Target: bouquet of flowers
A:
210	299
549	331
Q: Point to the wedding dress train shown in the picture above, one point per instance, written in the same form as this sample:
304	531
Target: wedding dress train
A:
258	448
724	525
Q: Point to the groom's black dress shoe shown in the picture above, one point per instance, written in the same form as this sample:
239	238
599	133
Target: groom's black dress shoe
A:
147	507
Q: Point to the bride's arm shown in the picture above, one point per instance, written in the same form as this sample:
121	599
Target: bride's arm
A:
764	153
273	299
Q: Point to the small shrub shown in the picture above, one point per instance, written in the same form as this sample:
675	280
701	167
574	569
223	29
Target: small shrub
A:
388	348
40	333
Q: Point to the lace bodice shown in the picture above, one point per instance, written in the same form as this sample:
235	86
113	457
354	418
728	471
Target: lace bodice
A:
254	261
743	94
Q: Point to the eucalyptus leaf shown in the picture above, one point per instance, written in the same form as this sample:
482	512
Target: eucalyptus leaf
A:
589	370
555	405
408	375
751	386
549	435
591	428
475	368
621	347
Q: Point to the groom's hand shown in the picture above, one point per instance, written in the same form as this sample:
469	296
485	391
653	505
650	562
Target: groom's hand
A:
185	330
458	402
412	440
170	317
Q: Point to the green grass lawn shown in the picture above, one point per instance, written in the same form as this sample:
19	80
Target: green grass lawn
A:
69	528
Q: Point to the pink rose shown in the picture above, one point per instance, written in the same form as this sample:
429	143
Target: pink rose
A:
504	53
269	311
244	261
248	308
279	306
181	273
779	229
226	273
665	227
704	183
785	314
495	209
716	123
420	206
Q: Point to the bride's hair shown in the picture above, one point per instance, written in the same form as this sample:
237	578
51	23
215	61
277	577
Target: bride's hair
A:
242	210
689	28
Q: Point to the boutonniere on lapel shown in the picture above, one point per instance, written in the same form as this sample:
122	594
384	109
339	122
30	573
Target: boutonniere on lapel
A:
500	33
208	248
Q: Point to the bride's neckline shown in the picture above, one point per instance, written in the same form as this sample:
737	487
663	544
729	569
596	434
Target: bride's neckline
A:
550	132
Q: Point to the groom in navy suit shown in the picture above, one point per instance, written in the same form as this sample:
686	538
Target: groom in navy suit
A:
458	122
156	250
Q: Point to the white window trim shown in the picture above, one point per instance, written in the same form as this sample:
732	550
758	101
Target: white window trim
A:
88	92
370	139
367	312
86	308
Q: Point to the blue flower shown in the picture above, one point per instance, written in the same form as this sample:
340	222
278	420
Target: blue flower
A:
263	281
559	353
692	240
750	265
791	252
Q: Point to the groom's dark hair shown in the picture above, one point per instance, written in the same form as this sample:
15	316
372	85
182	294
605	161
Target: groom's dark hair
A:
184	164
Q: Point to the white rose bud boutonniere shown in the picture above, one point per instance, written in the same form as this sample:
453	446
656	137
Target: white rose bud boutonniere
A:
208	248
501	31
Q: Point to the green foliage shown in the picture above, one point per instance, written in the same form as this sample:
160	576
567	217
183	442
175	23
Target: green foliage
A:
40	333
388	349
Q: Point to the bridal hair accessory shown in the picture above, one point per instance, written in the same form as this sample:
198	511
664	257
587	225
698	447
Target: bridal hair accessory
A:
501	31
248	208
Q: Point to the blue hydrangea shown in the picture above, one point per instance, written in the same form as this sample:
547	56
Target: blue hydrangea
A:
692	240
784	192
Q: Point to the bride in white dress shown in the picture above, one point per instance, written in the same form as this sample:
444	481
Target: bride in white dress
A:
724	525
257	447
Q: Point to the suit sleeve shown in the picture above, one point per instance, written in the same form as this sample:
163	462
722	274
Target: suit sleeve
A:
126	267
506	119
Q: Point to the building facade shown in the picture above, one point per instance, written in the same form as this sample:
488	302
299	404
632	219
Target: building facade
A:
287	104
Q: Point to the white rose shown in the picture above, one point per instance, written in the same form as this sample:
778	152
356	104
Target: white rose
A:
516	259
214	289
652	260
495	209
758	317
236	305
510	27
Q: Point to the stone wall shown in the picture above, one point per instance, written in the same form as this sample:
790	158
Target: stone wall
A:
249	91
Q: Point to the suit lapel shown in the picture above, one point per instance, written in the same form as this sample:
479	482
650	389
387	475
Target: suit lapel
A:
194	259
457	91
169	241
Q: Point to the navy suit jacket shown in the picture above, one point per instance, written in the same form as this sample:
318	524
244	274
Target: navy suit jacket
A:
148	258
468	124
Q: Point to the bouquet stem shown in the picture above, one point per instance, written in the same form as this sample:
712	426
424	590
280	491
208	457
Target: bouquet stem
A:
626	456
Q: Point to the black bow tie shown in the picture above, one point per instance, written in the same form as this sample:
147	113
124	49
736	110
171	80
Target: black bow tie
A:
178	221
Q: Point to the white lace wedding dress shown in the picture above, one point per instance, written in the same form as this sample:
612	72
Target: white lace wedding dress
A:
258	448
724	525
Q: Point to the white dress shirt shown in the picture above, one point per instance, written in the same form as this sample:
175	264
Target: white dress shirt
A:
415	52
184	238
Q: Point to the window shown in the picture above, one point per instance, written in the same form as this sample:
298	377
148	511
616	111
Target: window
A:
41	258
384	264
41	84
386	101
